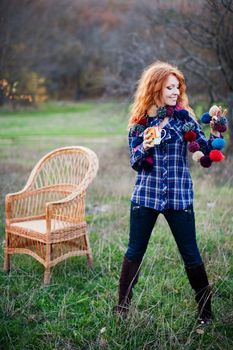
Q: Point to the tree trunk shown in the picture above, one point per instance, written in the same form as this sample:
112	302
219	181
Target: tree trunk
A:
229	149
2	98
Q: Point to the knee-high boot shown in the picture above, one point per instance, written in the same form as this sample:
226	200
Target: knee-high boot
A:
128	279
199	282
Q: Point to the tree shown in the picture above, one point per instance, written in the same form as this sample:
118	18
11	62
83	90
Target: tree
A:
58	40
200	35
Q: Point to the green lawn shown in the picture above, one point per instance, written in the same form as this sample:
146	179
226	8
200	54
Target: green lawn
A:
75	311
84	119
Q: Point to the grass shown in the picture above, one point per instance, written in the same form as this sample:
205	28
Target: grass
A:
75	311
84	119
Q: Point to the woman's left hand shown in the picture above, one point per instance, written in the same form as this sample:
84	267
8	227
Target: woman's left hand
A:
219	114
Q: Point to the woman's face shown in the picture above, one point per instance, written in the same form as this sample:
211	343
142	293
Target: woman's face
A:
170	91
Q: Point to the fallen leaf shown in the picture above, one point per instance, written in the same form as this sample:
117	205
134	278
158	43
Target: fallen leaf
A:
199	331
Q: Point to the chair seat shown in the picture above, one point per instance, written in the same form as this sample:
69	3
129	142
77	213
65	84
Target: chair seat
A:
40	225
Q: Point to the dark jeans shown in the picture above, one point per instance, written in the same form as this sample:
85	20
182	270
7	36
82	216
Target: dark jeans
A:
182	225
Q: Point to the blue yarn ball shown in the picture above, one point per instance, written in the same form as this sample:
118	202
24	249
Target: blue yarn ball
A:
206	118
182	114
218	143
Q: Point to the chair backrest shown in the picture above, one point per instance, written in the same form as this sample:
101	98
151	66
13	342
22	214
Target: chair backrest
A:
67	167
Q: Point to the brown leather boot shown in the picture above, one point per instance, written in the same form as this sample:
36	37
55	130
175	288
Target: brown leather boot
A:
199	282
128	279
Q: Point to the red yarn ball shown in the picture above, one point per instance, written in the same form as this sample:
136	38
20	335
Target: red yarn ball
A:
220	127
190	136
205	161
216	155
193	146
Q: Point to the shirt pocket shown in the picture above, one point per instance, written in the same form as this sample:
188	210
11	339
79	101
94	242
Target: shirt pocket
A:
176	135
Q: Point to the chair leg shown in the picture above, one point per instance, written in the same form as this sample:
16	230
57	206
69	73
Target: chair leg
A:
6	266
90	260
47	276
89	254
47	273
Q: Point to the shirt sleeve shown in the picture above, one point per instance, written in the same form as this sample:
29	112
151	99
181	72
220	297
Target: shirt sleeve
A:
138	155
205	144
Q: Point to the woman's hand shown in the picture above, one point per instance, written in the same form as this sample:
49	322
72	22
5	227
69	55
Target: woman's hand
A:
218	113
148	139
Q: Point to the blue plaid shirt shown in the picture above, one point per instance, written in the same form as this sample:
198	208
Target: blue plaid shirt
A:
168	183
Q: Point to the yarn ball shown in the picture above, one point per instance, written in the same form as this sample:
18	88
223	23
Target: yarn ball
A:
214	119
216	155
218	143
220	127
183	114
190	136
205	161
206	118
214	110
188	126
161	113
148	163
221	120
170	111
197	156
193	146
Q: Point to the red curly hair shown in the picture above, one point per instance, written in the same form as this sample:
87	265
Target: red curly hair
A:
150	87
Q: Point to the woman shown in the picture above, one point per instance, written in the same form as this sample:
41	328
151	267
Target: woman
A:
163	182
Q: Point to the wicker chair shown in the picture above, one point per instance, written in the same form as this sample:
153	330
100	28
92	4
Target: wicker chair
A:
47	218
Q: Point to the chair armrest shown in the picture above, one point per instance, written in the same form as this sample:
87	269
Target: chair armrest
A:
69	210
26	204
21	205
